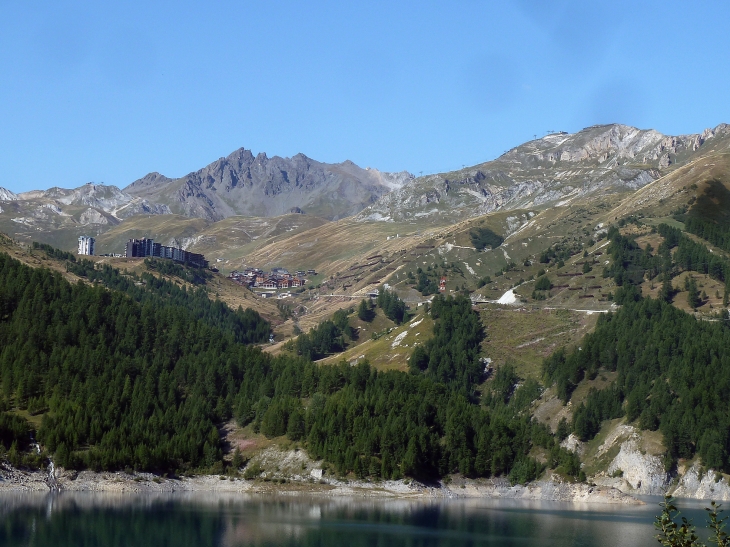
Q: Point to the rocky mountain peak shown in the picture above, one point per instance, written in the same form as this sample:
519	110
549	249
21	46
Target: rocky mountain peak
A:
244	184
149	180
7	195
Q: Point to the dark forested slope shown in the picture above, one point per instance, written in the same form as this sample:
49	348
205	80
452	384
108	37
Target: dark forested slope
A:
144	377
673	369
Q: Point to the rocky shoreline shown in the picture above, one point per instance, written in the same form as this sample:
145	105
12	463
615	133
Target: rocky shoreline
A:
634	468
12	479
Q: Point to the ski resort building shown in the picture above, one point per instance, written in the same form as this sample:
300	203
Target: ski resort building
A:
86	245
137	248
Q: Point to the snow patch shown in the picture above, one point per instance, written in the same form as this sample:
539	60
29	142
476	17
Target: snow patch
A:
508	298
470	269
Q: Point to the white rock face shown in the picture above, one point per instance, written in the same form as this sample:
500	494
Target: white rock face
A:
708	486
7	195
633	471
92	216
643	473
573	444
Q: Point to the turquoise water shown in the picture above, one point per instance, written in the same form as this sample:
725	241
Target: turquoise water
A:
105	520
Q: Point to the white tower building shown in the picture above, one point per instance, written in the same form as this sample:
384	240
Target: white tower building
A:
86	245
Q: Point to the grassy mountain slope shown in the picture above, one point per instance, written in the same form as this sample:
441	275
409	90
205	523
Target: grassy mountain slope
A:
224	242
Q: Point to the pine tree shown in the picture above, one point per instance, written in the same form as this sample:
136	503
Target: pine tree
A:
237	461
364	312
693	294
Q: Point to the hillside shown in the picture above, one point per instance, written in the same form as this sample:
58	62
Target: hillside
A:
554	170
142	373
518	338
223	242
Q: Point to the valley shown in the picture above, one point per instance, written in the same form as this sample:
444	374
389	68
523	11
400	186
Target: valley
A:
542	251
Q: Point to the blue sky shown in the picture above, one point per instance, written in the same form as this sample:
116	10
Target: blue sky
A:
107	92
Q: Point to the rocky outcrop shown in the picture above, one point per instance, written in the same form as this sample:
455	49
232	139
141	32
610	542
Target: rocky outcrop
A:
633	469
693	483
92	216
551	489
572	443
552	170
313	482
7	195
639	473
239	184
636	471
276	470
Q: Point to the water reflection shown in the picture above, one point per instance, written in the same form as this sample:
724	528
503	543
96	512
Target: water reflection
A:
234	520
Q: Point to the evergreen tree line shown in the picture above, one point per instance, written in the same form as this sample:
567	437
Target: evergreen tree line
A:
123	383
560	252
451	356
247	325
324	339
393	307
427	281
482	238
425	284
693	256
52	252
391	424
673	372
630	263
708	215
331	336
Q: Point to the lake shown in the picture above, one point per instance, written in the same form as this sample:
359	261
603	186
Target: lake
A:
201	519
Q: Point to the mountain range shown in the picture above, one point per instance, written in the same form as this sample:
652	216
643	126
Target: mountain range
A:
553	170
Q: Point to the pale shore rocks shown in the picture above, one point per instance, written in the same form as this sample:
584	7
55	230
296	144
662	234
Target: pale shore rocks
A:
694	484
120	482
635	471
